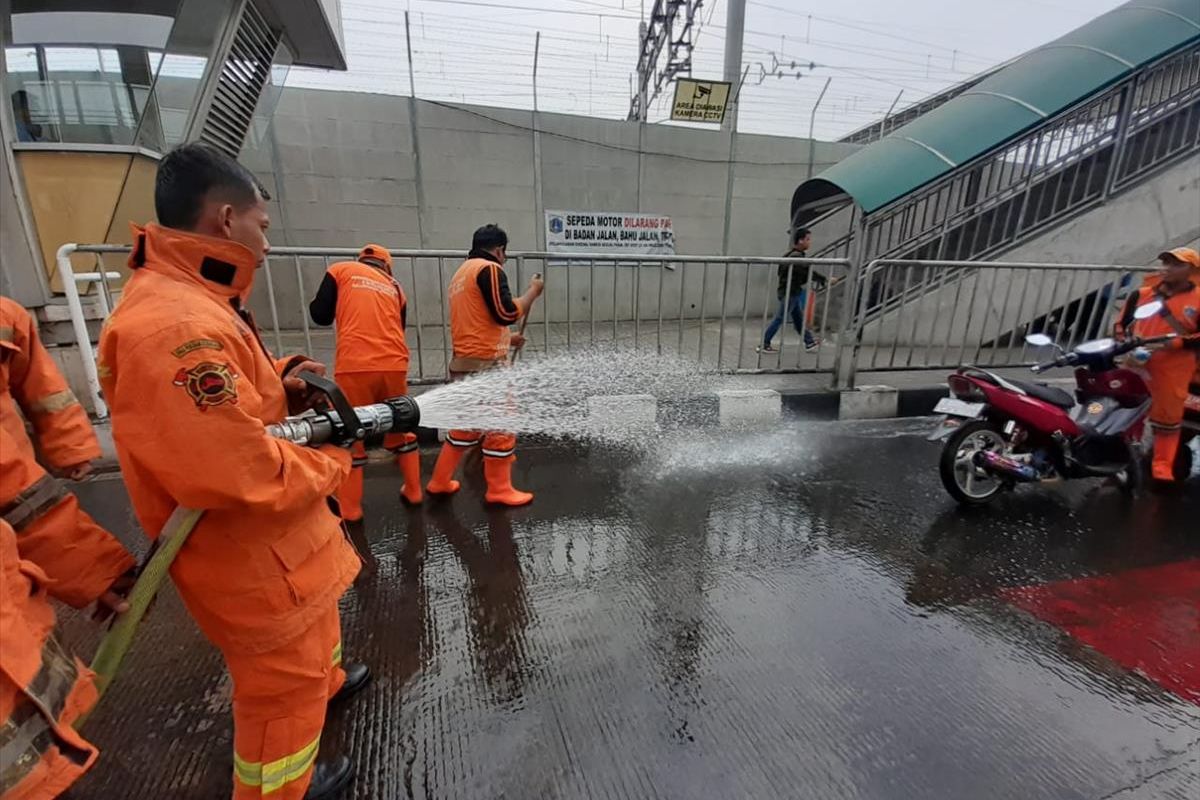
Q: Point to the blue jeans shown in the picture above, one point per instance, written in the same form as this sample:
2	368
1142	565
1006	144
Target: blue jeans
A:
795	306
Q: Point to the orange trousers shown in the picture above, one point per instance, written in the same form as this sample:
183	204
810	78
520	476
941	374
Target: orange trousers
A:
363	388
279	701
1170	372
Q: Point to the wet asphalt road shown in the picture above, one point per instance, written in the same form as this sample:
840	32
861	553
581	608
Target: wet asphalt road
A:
797	613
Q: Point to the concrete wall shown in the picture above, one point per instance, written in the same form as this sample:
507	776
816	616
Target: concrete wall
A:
342	171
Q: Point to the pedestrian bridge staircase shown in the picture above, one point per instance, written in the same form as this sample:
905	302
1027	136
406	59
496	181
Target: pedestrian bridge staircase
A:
1013	154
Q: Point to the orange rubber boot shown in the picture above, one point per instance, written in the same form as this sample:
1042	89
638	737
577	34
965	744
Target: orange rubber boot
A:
350	495
442	481
498	472
410	468
1166	447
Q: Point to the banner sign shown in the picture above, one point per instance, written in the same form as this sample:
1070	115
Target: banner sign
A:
700	101
609	232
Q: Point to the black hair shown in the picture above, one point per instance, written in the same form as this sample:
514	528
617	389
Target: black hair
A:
489	237
799	234
191	173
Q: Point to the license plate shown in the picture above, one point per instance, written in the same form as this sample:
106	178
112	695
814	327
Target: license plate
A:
952	406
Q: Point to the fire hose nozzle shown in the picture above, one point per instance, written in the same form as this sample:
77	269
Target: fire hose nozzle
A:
394	415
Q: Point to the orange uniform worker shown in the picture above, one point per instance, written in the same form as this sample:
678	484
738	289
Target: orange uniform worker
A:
54	531
191	387
1173	364
371	362
43	690
481	310
48	547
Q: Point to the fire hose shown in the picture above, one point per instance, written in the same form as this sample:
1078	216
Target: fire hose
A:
341	424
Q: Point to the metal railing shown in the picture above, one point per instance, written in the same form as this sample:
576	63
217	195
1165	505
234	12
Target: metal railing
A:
979	313
711	310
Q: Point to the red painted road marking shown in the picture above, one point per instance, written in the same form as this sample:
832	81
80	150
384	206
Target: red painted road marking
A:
1147	620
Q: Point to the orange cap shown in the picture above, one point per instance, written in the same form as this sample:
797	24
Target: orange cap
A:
377	252
1185	255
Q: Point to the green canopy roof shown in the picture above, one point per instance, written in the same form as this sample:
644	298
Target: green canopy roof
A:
1018	96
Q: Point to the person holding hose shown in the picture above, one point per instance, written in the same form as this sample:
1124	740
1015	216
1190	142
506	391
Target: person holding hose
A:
481	310
49	547
1173	363
793	293
191	387
371	361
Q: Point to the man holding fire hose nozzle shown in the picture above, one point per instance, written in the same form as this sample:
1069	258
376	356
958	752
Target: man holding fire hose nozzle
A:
191	387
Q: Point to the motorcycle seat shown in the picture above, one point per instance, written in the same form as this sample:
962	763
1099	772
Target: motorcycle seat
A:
1049	394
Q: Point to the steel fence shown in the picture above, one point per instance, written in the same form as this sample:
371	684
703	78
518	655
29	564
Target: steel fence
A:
710	310
947	313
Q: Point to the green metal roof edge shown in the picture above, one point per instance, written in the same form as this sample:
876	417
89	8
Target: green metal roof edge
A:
1017	97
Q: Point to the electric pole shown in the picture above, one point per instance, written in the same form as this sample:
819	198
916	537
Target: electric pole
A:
735	29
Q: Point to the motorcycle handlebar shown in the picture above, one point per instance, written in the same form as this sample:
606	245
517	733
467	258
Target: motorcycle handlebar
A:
1067	359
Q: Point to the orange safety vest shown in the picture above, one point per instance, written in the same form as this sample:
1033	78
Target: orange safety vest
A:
43	690
1183	307
191	387
473	329
370	305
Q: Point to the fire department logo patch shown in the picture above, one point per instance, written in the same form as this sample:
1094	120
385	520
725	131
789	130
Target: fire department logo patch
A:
208	384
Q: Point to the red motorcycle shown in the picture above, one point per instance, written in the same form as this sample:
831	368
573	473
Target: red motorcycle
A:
1000	432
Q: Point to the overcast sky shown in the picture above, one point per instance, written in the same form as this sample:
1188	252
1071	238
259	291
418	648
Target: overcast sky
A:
481	51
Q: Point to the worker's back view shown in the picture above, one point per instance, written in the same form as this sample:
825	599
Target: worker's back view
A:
371	361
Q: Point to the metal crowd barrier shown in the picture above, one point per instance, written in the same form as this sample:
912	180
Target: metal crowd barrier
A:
916	315
886	316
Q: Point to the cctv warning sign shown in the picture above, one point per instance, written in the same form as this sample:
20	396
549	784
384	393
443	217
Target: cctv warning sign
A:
700	101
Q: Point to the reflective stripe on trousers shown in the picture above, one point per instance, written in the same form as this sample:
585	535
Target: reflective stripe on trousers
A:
273	775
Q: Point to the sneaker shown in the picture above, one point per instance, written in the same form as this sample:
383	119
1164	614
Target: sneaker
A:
766	348
813	346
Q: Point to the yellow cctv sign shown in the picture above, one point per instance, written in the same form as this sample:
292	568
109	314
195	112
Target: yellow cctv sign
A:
700	101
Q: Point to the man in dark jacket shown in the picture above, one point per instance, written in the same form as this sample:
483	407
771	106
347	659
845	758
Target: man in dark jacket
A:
794	283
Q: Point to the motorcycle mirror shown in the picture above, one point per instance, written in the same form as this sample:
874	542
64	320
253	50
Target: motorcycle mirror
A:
1148	310
1039	340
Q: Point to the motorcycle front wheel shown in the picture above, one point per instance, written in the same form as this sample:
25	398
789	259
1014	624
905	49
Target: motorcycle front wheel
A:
966	482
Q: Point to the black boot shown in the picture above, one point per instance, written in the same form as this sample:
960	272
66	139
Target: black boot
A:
358	675
329	778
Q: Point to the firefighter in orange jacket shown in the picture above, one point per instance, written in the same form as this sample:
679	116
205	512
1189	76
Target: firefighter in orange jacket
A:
481	310
191	387
54	531
1173	364
371	362
56	550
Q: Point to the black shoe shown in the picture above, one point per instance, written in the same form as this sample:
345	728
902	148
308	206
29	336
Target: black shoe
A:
357	677
329	778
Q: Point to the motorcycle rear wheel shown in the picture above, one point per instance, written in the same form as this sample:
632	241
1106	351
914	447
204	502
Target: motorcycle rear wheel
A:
965	482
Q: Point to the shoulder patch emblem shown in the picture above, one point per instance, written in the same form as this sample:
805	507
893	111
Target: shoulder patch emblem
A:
196	344
208	384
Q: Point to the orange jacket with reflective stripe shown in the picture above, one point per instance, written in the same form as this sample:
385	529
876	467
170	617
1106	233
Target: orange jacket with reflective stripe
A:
29	376
370	306
191	387
82	562
473	329
42	689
